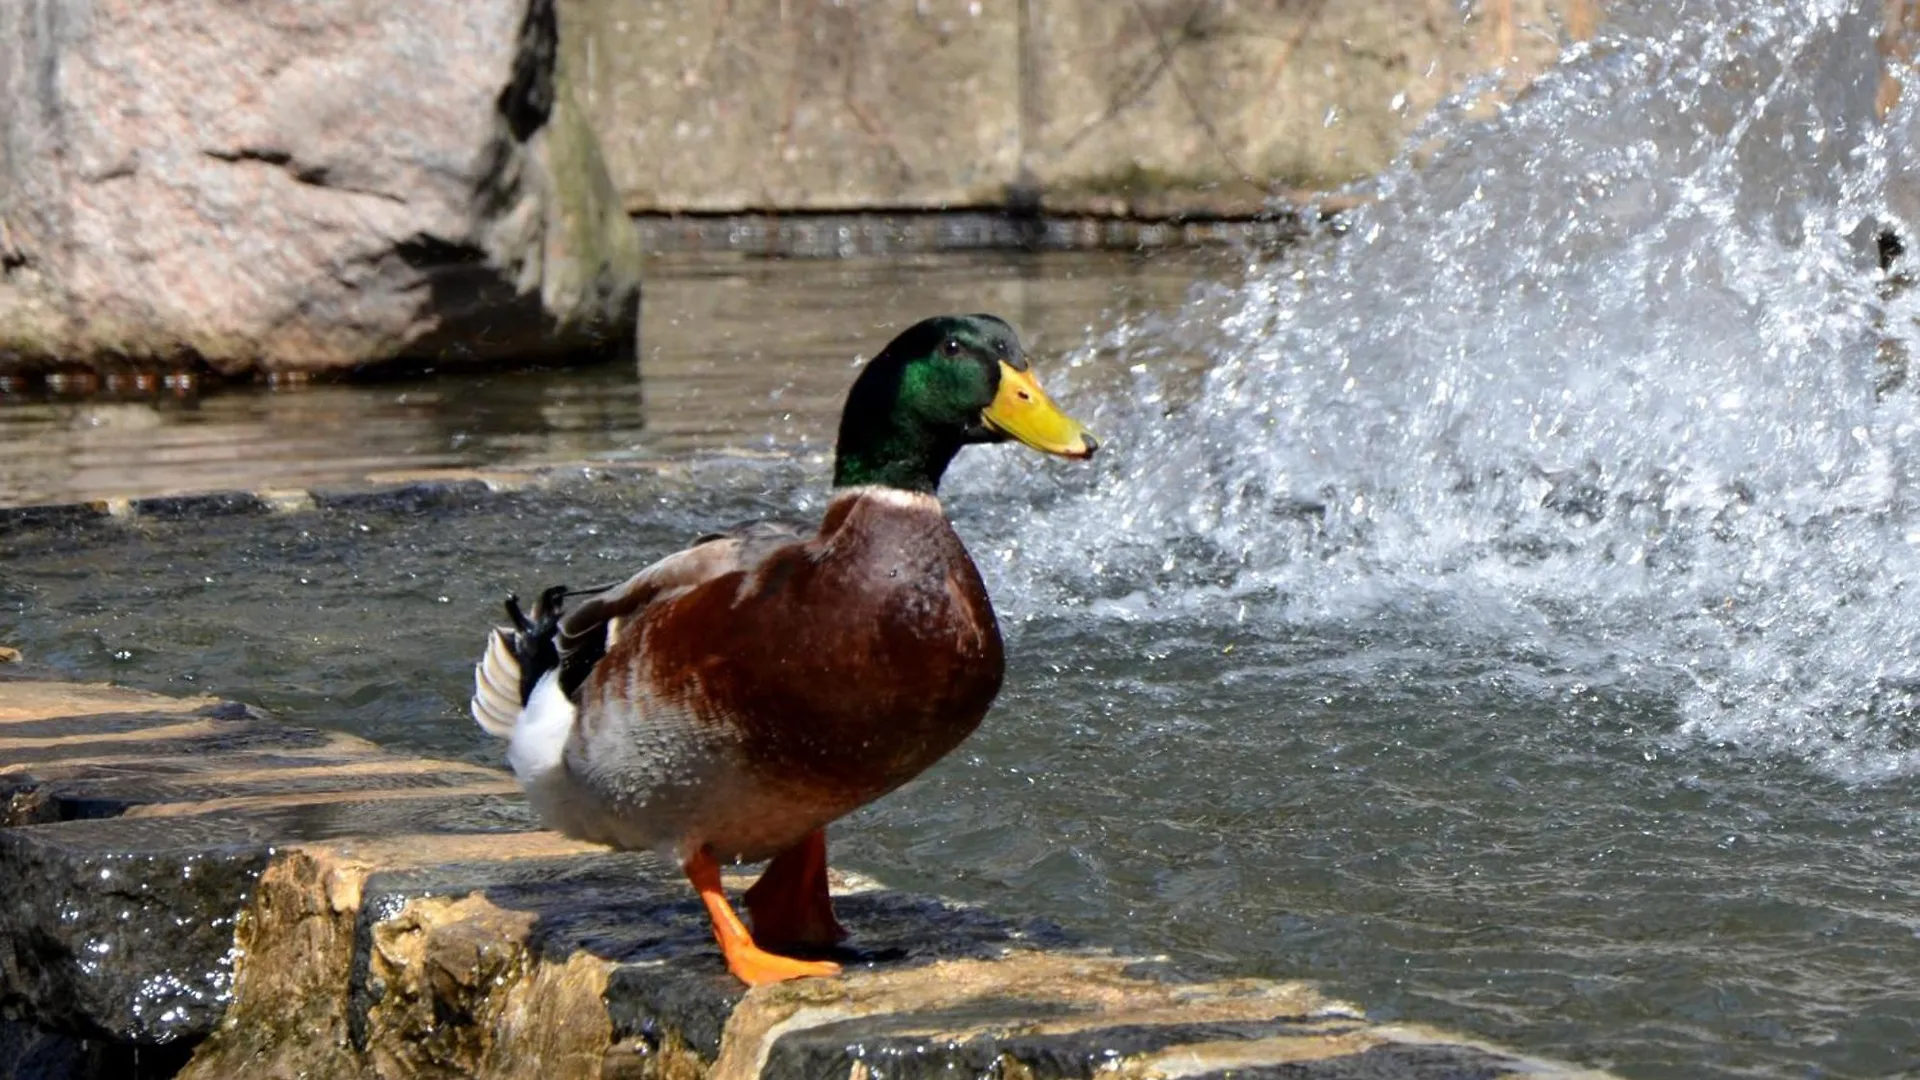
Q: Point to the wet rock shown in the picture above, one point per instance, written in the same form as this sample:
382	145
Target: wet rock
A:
275	188
675	987
282	903
63	515
124	927
406	498
204	737
1004	1033
197	507
470	961
140	827
31	1053
133	790
122	933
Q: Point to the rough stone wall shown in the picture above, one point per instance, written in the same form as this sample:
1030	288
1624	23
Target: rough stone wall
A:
1252	98
724	106
1103	105
297	186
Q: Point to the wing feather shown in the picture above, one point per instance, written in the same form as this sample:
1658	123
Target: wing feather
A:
586	632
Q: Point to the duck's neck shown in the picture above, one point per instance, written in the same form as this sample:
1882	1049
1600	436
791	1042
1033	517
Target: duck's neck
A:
890	503
894	456
885	496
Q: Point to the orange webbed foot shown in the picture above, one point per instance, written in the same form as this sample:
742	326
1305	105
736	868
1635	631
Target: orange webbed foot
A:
757	967
749	962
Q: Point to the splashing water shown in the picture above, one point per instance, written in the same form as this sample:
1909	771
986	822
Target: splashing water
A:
1584	444
1607	381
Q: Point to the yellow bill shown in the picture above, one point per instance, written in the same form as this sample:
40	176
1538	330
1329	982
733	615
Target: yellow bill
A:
1024	411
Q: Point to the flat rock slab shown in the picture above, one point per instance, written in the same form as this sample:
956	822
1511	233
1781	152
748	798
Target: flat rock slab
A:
244	898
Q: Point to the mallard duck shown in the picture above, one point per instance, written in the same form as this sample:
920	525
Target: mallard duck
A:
729	701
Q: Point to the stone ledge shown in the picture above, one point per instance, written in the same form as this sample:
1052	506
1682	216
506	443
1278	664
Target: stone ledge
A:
1091	224
238	897
403	491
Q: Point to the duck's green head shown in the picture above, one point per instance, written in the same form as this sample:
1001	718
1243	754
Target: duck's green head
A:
943	383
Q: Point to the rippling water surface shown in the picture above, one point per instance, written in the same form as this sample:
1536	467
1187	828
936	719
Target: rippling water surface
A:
1501	612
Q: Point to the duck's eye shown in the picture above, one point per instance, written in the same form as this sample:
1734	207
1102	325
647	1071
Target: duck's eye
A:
951	347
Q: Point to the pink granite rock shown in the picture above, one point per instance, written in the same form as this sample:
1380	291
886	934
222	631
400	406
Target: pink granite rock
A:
300	187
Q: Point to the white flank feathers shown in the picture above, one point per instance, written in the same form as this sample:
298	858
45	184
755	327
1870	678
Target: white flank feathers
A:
538	756
539	743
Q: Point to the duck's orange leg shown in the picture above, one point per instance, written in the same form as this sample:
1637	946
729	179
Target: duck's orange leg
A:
749	962
789	903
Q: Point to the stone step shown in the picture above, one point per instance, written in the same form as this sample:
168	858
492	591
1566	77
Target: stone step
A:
238	897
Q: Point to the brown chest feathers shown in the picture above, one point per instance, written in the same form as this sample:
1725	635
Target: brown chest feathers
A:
851	661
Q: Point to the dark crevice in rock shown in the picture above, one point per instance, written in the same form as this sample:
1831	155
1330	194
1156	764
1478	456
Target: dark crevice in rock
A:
527	101
119	170
428	253
313	175
264	155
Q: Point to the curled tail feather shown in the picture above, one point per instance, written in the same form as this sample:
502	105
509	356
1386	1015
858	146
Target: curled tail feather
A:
516	657
493	707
